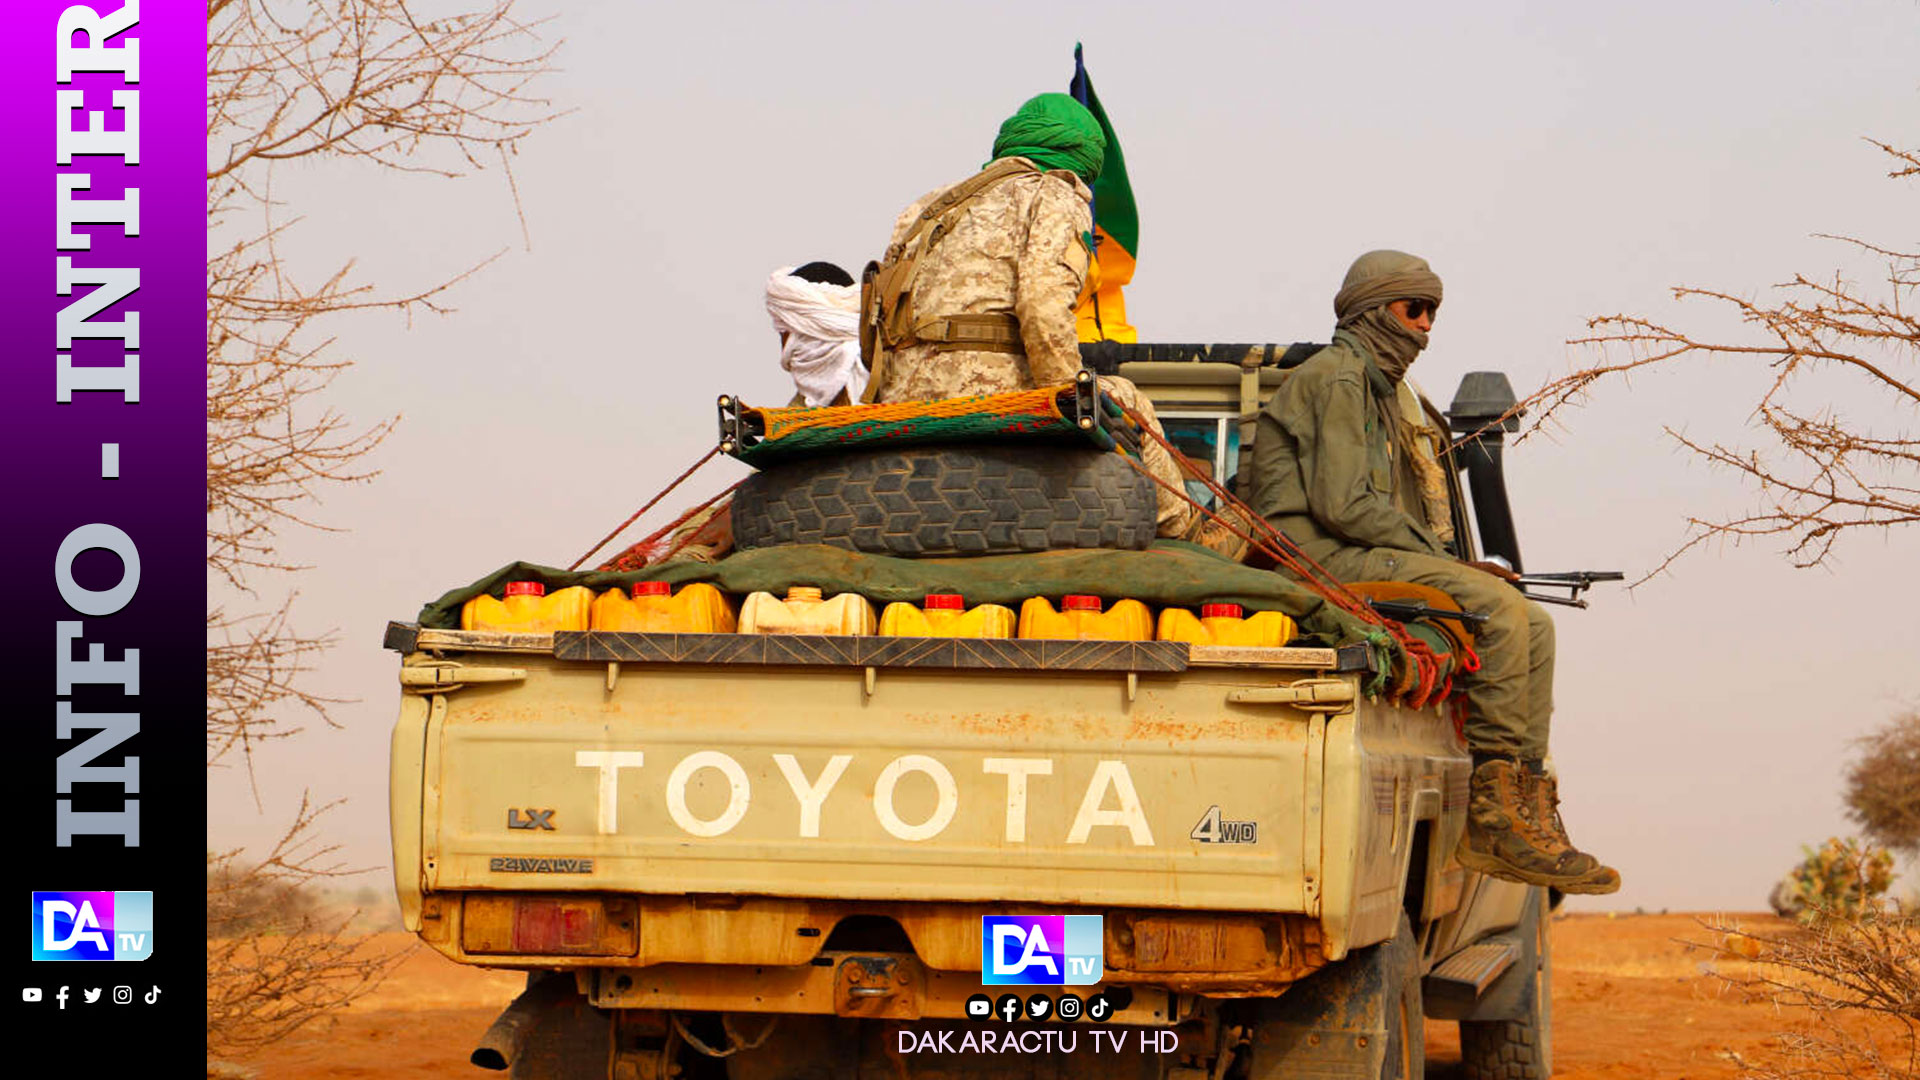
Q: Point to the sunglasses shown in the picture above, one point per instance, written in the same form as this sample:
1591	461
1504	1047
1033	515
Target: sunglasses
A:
1418	308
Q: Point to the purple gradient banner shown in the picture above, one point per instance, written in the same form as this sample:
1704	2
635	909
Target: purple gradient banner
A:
103	304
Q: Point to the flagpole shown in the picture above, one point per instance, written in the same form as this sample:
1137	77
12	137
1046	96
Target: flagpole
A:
1078	89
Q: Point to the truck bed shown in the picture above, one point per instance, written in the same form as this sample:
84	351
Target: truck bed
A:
887	771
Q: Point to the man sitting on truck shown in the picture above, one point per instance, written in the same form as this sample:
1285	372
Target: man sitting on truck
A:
816	311
1336	471
978	285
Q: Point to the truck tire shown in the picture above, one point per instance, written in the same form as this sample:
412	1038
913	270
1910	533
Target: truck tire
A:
949	500
1518	1049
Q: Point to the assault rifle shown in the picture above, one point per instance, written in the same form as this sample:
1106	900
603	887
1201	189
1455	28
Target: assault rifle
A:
1408	611
1574	581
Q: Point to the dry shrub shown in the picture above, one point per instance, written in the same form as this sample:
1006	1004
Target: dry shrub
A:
1883	785
1856	984
277	956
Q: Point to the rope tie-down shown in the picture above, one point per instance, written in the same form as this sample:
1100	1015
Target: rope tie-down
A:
1420	683
655	536
1080	410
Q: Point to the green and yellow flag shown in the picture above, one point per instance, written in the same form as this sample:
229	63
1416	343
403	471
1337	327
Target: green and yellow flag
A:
1102	312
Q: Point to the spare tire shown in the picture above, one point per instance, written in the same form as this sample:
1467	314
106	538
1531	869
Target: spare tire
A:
949	500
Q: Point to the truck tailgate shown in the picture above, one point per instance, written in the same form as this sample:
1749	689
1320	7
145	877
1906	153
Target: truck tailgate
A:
1045	787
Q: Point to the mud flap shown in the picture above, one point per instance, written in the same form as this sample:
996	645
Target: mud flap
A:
1345	1019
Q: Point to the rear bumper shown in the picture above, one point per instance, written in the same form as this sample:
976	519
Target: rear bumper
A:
785	955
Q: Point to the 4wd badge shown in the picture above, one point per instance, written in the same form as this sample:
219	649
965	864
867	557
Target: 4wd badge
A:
1213	830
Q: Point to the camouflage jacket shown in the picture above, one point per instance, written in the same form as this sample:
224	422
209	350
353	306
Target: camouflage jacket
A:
1328	469
1018	249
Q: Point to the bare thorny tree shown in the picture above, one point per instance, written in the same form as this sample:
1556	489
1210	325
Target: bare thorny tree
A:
1854	983
369	82
1818	475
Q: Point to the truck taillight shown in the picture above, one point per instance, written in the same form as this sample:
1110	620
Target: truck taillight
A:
533	924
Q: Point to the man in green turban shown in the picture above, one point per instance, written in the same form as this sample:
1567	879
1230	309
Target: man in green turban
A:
977	290
1335	469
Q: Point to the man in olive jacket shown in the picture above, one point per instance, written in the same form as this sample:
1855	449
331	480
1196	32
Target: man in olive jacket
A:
1335	470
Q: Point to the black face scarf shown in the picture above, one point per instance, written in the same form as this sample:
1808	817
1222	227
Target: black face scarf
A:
1392	343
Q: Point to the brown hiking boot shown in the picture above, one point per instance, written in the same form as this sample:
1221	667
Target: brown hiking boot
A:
1545	791
1504	837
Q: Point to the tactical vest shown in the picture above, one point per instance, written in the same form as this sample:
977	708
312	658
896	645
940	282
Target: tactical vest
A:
887	319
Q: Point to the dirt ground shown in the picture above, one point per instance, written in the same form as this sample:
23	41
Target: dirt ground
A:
1630	1001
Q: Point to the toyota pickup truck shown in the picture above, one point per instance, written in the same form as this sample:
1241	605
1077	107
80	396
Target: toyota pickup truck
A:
765	857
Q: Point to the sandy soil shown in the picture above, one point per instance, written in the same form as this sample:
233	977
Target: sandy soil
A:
1631	1000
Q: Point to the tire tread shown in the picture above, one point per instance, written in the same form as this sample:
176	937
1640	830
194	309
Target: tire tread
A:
949	500
1499	1050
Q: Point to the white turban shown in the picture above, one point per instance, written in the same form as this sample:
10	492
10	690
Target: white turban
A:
822	324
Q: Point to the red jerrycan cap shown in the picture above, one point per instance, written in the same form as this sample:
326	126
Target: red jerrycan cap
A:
652	588
525	588
946	601
1079	603
1221	611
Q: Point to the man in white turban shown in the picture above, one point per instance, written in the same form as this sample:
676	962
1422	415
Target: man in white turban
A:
816	309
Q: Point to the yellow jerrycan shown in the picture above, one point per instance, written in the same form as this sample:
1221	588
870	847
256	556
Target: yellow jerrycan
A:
654	607
946	615
1080	617
1223	624
804	612
527	609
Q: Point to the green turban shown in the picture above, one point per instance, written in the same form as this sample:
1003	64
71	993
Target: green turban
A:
1055	132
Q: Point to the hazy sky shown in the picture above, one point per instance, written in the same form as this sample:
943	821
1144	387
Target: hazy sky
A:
1553	162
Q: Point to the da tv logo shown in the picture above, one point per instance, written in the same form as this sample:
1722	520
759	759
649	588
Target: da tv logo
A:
92	925
1041	950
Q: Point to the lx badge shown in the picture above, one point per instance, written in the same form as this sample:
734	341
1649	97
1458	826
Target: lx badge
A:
534	819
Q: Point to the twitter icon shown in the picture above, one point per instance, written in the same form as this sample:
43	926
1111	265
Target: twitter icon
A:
91	996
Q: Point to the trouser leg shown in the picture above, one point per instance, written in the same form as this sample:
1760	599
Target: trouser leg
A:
1510	697
1513	825
1175	516
1540	651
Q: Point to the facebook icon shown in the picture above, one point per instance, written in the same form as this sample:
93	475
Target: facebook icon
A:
1041	950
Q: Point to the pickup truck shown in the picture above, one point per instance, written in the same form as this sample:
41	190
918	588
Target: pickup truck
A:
766	858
